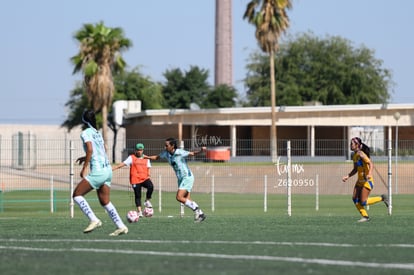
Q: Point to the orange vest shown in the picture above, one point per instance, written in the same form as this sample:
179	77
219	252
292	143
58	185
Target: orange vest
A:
139	170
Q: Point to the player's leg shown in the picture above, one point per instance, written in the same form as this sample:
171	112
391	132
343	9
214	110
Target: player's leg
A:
357	199
137	194
363	198
150	189
80	191
183	193
183	196
104	198
372	200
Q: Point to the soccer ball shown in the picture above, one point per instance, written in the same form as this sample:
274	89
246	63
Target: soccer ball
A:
132	216
148	212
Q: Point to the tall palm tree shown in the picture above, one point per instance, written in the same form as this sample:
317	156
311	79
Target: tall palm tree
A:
271	20
99	56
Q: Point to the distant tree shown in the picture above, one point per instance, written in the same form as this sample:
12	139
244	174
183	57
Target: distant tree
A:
132	85
98	57
182	89
77	103
270	20
221	96
328	70
128	86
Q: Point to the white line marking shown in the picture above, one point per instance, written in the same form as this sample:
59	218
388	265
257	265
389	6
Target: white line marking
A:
405	266
213	242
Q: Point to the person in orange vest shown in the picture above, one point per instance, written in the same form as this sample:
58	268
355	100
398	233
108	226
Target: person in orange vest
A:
139	176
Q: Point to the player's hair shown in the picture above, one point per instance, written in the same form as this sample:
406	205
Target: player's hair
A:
88	117
172	141
362	146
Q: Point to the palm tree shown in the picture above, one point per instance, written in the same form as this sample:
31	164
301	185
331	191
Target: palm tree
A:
99	56
270	20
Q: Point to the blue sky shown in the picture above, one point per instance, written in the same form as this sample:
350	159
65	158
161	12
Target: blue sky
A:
36	45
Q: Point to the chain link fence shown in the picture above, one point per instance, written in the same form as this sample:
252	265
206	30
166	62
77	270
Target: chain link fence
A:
28	163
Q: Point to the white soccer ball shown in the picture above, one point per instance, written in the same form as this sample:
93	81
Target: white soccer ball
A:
132	216
148	212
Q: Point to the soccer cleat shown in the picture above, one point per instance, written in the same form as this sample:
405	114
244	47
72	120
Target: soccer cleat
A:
92	226
199	216
385	200
364	219
140	214
119	231
148	204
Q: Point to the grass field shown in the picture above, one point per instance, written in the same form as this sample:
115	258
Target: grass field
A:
238	237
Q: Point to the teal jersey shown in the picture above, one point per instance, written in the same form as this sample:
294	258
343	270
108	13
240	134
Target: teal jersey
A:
178	162
99	159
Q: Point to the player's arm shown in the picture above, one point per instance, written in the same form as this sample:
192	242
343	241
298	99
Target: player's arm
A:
118	166
353	172
193	153
149	168
370	166
86	159
370	169
154	157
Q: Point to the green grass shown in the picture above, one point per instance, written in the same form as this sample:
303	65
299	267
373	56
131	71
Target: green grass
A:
237	238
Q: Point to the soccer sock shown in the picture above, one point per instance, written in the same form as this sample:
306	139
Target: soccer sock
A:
374	200
113	214
86	209
191	204
361	209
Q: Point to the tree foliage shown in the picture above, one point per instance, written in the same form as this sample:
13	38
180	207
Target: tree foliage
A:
182	89
99	56
330	70
132	85
76	104
221	96
129	85
270	20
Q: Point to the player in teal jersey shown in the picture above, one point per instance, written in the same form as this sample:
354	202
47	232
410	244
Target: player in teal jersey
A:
177	158
99	177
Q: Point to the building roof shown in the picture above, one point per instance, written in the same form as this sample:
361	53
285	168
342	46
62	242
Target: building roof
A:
320	115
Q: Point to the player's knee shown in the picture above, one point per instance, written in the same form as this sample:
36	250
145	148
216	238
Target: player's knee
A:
104	201
180	199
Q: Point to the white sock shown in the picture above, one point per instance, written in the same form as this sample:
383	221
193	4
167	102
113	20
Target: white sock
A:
191	204
86	209
113	214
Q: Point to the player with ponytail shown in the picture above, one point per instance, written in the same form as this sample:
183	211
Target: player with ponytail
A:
364	167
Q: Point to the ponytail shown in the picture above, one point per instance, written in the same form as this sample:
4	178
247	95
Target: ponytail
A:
365	149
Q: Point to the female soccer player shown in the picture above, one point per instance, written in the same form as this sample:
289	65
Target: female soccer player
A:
177	159
139	176
365	182
99	177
